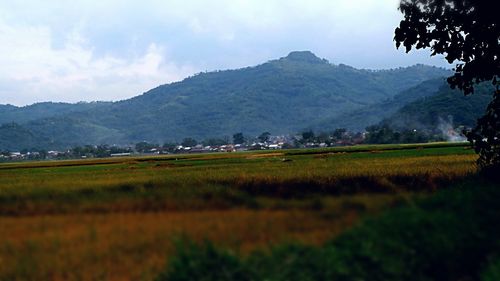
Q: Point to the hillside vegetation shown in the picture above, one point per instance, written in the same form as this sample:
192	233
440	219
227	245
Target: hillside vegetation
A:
371	114
281	96
445	106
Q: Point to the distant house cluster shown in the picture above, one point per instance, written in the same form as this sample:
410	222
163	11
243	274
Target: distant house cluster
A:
240	142
28	155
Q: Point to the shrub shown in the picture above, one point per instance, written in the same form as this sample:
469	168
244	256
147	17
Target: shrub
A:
450	236
492	272
447	237
203	262
288	262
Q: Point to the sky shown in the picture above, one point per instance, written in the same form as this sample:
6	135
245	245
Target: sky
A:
108	50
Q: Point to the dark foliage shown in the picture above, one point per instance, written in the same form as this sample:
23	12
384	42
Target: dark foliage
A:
378	134
238	138
308	135
264	137
204	263
145	146
465	31
468	32
492	271
452	236
486	138
446	107
216	141
189	142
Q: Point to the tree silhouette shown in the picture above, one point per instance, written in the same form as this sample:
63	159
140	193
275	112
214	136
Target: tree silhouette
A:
264	137
466	32
188	142
238	138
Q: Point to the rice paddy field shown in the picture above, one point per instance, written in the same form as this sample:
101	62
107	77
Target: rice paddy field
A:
118	218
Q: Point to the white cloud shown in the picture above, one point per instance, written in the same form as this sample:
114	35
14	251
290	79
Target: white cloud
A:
39	72
230	16
113	49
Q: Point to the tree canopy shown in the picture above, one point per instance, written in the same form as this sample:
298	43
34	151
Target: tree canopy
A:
466	32
238	138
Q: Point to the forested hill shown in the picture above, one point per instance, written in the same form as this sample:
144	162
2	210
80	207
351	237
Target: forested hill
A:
445	106
10	113
280	96
358	120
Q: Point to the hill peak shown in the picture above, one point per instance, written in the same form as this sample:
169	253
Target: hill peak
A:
304	56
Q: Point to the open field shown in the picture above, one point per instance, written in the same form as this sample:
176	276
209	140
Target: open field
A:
115	219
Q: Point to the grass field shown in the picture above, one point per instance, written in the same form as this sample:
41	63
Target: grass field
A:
116	219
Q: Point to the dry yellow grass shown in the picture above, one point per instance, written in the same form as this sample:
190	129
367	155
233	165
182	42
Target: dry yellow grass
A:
115	219
135	246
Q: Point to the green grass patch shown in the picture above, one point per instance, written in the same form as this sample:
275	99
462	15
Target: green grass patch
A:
450	236
228	180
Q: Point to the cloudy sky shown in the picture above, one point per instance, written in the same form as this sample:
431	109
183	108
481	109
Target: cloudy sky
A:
111	50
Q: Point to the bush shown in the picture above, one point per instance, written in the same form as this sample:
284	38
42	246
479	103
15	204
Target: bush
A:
448	237
288	262
451	236
203	262
492	272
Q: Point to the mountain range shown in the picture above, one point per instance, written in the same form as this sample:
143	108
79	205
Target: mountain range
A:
282	96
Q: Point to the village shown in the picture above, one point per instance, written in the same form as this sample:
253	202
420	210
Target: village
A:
265	141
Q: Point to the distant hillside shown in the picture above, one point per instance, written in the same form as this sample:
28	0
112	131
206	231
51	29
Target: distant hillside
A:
368	115
10	113
447	105
16	137
280	96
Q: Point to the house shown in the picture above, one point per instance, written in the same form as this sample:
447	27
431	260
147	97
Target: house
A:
227	148
120	154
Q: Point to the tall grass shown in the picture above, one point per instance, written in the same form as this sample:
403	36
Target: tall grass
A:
222	181
114	219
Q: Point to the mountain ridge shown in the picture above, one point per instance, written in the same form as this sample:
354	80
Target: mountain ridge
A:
281	96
